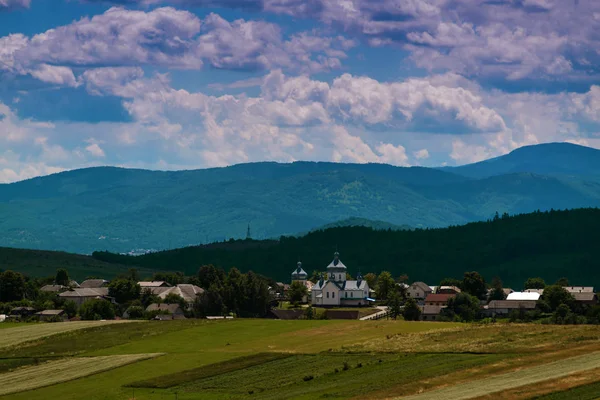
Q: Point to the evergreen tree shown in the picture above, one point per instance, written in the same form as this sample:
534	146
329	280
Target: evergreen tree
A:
497	293
394	304
12	286
385	285
62	277
411	312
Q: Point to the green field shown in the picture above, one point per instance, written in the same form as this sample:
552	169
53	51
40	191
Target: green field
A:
275	359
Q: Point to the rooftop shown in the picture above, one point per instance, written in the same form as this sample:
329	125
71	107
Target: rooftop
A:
534	296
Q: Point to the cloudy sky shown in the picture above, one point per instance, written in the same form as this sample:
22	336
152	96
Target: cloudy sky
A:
174	84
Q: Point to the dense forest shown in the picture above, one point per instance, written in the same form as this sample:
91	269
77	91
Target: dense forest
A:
551	244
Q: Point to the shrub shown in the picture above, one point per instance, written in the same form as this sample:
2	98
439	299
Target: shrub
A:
97	309
308	378
346	366
135	312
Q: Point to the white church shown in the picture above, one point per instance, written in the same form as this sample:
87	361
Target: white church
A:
336	290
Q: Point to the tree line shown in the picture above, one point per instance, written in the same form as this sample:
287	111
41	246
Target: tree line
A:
551	244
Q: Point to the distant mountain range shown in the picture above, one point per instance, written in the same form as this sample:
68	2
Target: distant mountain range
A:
123	209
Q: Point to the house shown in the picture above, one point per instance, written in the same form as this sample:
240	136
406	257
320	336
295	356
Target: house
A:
524	296
94	284
53	288
589	298
167	311
436	299
448	290
81	295
52	315
22	312
59	288
153	284
579	289
337	291
504	307
187	291
419	290
540	291
431	312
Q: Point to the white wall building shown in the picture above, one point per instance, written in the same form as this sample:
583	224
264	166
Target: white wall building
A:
337	291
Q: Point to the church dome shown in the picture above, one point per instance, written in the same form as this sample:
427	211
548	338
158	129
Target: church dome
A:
336	265
299	273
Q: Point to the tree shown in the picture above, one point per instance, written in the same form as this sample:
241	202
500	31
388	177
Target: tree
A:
209	303
172	278
12	286
385	285
135	312
562	282
147	298
464	305
210	275
497	293
124	290
534	283
97	309
309	313
394	304
474	284
556	295
70	308
174	298
133	274
411	311
451	282
315	276
563	315
62	277
371	279
297	292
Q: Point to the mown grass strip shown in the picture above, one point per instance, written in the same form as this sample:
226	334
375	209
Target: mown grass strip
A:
22	334
523	377
64	370
208	371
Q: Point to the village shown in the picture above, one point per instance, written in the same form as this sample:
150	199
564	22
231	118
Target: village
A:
331	296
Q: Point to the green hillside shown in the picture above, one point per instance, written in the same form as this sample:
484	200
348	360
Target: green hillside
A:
547	244
120	210
40	263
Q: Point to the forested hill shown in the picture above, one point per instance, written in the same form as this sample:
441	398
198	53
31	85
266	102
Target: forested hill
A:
547	244
123	209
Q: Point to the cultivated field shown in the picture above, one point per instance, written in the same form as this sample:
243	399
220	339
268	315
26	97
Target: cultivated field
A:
22	333
272	359
53	372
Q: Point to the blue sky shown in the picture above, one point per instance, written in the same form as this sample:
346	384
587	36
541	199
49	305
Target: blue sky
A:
173	84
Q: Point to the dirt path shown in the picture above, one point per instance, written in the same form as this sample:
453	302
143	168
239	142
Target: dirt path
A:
20	334
523	377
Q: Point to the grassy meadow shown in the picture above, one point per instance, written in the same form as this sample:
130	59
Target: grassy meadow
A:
274	359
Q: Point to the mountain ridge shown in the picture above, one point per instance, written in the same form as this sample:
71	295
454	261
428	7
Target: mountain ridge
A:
118	209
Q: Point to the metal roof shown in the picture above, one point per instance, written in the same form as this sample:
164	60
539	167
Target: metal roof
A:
523	296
